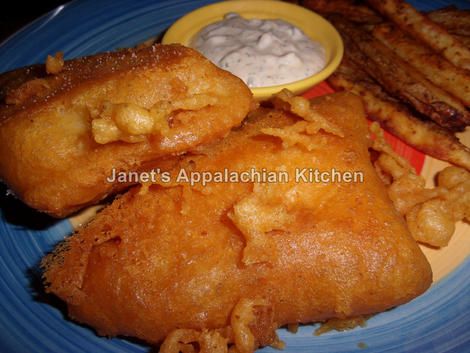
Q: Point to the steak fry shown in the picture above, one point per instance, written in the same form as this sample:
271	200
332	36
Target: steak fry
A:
456	21
400	79
348	8
440	72
421	27
426	137
464	39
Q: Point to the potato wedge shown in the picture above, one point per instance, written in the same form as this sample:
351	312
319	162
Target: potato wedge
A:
421	27
425	136
436	69
464	39
349	8
455	20
405	82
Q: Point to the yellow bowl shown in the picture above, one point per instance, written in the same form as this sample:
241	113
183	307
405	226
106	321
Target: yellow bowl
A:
313	25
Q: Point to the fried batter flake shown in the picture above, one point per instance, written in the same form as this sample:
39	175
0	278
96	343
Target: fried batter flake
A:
300	133
131	123
238	335
430	213
298	105
55	64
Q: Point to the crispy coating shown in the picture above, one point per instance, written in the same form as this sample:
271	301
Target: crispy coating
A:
55	64
11	80
229	262
61	135
430	213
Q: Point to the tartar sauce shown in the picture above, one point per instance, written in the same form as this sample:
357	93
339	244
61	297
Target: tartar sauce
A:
260	52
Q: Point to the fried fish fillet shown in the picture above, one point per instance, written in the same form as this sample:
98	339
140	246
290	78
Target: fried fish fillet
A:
61	135
225	264
11	80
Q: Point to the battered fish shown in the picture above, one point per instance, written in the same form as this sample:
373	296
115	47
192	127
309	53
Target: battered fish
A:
62	134
218	267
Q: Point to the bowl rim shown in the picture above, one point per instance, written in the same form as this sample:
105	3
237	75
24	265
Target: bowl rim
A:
276	8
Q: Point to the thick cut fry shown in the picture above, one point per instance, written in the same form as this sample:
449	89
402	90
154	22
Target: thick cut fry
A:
425	136
62	135
464	39
436	69
455	20
230	262
349	8
400	79
419	26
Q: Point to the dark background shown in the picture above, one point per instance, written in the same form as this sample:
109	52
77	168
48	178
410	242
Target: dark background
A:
19	13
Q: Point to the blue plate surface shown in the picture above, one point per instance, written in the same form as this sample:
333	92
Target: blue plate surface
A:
436	322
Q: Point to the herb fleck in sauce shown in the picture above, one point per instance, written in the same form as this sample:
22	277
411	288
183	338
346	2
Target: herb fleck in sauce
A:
260	52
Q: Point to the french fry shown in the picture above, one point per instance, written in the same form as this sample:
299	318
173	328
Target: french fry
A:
436	69
425	136
456	21
421	27
464	39
354	12
400	79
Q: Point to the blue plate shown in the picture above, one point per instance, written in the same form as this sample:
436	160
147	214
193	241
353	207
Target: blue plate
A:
438	321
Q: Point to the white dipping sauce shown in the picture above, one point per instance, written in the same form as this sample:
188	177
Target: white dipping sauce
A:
260	52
